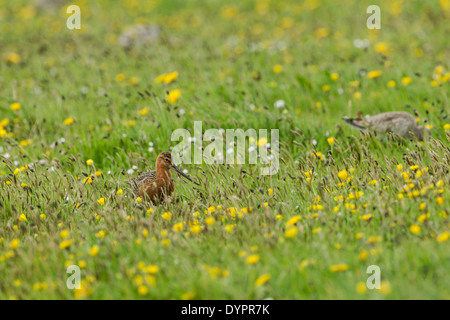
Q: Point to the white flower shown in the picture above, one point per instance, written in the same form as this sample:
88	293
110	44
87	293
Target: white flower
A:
182	111
134	167
279	104
361	44
150	149
130	171
314	142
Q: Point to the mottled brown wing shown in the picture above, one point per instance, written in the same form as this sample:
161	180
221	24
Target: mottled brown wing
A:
138	181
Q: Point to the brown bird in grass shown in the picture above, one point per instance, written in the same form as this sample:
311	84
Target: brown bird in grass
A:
157	185
397	122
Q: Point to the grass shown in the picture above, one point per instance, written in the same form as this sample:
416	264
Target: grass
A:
309	232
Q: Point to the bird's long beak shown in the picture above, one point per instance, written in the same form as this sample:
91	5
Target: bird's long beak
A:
183	174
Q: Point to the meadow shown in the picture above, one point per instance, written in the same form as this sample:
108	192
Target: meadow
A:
80	116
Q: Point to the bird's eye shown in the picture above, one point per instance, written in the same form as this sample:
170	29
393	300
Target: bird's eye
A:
168	160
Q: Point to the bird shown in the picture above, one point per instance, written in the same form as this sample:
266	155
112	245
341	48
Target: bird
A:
139	35
400	123
157	185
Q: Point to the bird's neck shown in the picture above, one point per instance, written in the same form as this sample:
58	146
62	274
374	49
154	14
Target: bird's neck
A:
163	173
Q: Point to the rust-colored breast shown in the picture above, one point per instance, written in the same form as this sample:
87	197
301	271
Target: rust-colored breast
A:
157	188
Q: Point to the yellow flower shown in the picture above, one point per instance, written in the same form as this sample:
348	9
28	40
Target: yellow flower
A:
447	126
292	221
15	106
167	215
65	244
262	280
291	232
361	287
138	199
270	191
391	84
87	180
196	229
120	192
143	111
382	47
277	68
385	287
90	162
188	296
211	209
343	174
415	229
64	233
321	33
25	143
334	76
440	200
326	88
142	290
42	216
134	81
121	77
363	255
12	57
152	269
406	80
209	221
173	96
339	267
178	227
22	217
330	141
93	251
357	95
374	74
170	77
443	237
68	121
252	259
101	201
101	234
14	243
261	142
